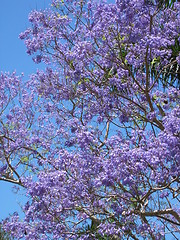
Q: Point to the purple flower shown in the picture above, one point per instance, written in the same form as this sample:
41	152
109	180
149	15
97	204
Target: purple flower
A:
123	118
3	168
38	59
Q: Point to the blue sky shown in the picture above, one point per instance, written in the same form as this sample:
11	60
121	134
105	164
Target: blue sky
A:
13	21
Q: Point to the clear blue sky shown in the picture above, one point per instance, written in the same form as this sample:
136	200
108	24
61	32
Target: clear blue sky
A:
14	20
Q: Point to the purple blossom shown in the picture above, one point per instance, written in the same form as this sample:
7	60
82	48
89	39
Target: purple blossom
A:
3	168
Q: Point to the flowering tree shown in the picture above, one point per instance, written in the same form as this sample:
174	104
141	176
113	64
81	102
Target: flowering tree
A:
94	139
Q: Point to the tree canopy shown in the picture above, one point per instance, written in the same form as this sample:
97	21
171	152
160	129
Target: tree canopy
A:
94	138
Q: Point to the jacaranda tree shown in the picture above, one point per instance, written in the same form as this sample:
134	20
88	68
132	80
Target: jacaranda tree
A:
94	138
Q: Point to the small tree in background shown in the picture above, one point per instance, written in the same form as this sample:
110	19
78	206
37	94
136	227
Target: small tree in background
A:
94	139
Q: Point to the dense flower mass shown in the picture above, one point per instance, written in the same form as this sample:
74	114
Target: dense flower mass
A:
94	138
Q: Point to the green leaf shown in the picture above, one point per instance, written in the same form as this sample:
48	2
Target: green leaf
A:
154	97
25	159
155	61
103	38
